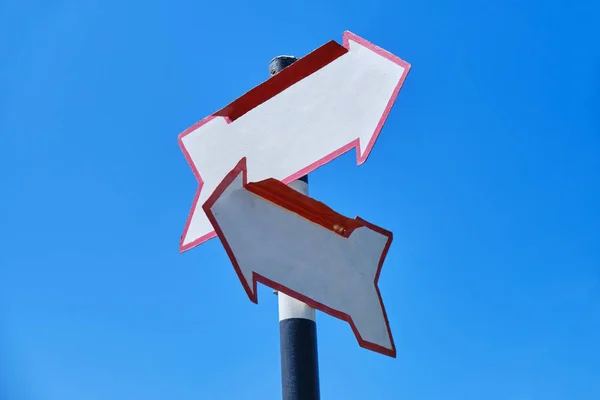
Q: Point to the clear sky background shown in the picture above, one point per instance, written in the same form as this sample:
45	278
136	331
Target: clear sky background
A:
487	172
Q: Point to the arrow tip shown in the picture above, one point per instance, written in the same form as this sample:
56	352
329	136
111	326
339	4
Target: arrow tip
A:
217	204
395	69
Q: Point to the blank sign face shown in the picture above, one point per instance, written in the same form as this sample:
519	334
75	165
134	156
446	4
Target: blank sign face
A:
327	103
299	246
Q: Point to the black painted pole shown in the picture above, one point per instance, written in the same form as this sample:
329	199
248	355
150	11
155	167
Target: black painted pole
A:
297	323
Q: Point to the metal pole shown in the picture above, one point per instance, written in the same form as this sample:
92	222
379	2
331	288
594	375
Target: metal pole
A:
297	322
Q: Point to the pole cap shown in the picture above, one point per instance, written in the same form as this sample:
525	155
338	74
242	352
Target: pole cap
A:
277	64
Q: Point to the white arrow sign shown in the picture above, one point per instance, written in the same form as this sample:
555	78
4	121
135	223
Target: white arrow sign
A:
326	103
301	247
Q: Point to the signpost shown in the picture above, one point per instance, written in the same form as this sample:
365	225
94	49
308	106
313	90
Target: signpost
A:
251	160
297	320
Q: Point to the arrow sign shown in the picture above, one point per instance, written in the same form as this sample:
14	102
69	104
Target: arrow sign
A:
326	103
299	246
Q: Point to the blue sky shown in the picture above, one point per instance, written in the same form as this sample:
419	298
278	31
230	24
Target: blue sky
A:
487	172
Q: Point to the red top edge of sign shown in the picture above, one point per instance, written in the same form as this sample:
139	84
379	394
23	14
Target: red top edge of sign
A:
294	73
